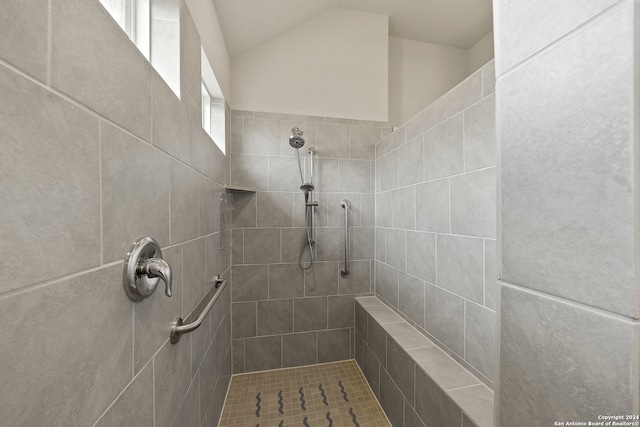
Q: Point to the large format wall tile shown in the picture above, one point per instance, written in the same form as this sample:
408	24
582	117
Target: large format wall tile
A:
171	121
410	161
333	140
479	345
395	249
112	80
421	122
250	282
286	281
210	216
433	405
193	271
567	170
275	209
359	281
261	136
134	407
284	174
460	97
244	319
387	278
50	189
384	209
185	202
363	141
354	176
189	413
321	279
444	317
528	26
490	274
135	193
480	134
23	36
299	349
275	317
334	345
432	206
49	348
473	203
560	361
261	245
387	171
421	257
263	353
411	298
403	202
310	314
461	266
250	171
443	149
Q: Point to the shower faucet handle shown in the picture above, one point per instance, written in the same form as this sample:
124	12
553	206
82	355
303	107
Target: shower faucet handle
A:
157	267
296	131
143	270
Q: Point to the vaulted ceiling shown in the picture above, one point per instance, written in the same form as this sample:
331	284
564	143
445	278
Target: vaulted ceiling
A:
458	23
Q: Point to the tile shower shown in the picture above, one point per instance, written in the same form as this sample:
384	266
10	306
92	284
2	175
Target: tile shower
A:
518	260
282	315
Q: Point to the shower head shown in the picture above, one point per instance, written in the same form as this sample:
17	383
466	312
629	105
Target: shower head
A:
296	140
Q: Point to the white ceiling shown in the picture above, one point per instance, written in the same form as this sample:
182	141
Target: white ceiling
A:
457	23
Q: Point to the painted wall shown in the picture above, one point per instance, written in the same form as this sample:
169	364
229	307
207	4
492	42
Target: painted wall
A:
283	316
96	152
419	73
335	64
436	222
568	178
480	53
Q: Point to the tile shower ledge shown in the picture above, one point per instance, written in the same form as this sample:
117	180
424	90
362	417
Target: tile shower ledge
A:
465	390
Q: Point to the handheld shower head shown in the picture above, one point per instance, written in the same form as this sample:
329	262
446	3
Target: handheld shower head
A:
296	140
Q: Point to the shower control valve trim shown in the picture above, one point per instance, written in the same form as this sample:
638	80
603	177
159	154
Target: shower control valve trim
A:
143	270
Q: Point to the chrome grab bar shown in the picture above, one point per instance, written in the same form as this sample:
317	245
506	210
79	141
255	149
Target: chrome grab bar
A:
346	204
178	327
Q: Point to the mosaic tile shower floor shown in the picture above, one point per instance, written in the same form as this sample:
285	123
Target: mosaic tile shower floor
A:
328	395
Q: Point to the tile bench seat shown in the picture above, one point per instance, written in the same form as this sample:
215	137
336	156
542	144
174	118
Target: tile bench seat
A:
417	384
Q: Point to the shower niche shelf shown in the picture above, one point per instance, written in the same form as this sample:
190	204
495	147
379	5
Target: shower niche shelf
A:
238	189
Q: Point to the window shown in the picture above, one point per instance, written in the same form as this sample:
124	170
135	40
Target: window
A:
154	27
213	105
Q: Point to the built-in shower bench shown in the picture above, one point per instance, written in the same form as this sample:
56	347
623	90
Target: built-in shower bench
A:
416	382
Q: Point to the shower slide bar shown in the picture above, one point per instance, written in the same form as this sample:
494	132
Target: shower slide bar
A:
346	205
178	327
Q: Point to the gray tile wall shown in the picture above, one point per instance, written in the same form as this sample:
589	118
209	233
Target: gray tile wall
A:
283	316
96	152
568	183
416	383
436	222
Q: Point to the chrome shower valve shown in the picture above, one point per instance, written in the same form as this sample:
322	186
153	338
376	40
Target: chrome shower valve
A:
143	270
